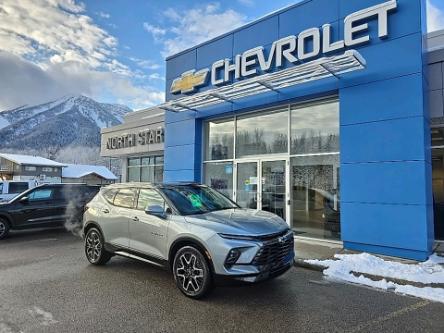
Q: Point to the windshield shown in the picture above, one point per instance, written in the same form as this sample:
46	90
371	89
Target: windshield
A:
196	199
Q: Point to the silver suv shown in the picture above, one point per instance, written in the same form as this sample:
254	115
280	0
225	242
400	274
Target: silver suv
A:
195	231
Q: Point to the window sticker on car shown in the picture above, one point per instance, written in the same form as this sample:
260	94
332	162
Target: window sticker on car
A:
195	200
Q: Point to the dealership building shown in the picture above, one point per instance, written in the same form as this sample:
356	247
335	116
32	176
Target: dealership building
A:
328	113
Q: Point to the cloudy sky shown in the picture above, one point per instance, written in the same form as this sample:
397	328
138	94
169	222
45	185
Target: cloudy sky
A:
112	50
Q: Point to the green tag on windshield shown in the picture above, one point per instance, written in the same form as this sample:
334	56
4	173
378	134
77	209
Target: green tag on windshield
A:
195	200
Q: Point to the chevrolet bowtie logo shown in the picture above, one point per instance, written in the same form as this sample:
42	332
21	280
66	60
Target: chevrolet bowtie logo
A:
189	81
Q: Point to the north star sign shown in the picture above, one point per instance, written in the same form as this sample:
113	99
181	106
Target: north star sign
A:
291	48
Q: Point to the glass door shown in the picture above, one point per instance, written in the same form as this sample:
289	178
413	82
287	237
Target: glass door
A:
273	187
262	184
247	185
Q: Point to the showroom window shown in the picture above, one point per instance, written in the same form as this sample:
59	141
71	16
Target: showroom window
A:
314	169
263	133
220	138
145	169
284	160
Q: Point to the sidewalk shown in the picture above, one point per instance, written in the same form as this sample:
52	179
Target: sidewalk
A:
307	249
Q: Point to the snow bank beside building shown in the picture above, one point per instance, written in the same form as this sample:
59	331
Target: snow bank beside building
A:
352	268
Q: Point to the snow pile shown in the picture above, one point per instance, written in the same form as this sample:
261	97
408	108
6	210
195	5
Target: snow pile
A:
429	272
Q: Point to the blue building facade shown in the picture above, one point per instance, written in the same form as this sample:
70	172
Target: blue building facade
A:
380	153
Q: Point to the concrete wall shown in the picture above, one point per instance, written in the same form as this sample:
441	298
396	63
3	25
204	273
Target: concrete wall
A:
386	197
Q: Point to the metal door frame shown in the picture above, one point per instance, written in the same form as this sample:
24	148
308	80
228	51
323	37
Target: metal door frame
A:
259	161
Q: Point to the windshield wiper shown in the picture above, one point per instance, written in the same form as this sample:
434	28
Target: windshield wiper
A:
222	208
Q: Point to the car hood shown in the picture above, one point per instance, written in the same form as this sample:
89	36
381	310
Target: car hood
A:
240	222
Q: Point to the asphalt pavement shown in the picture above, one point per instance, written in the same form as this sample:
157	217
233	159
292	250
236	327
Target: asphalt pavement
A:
47	285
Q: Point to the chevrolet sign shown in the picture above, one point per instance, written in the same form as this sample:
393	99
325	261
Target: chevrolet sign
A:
292	49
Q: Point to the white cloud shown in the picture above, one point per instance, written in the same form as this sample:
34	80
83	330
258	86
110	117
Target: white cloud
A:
103	15
157	32
41	85
184	29
156	76
50	48
58	28
435	17
145	63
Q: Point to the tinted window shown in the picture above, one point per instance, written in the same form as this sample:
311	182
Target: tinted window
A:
40	194
1	188
149	197
195	199
125	198
89	192
18	187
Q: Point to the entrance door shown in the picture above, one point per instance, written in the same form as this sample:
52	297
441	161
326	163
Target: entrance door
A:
273	187
247	185
262	185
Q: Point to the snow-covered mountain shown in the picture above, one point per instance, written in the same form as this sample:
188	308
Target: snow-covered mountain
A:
69	121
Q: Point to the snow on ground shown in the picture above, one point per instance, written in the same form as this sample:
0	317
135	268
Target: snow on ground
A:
427	272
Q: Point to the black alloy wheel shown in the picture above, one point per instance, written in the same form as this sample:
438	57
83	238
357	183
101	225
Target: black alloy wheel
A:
4	229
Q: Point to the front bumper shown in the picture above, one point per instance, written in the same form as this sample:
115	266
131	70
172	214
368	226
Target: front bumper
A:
274	257
253	278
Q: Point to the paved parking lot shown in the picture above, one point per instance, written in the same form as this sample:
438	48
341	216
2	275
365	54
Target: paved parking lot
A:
46	285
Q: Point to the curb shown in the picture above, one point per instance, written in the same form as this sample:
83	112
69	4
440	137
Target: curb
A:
301	263
400	282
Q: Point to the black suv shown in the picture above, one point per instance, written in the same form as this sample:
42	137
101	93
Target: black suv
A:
48	205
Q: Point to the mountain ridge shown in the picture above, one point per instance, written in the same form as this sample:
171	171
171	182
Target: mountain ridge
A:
70	121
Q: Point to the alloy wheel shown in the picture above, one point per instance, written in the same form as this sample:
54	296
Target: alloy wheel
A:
2	228
93	246
190	272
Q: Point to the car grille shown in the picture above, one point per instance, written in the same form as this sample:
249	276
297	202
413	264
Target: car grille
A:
274	253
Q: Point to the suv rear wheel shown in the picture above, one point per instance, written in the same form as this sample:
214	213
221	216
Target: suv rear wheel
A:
95	249
4	229
192	272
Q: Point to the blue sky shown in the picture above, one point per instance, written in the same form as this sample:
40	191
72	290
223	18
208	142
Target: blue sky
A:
112	50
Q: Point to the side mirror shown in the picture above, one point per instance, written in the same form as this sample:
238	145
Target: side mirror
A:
156	210
24	200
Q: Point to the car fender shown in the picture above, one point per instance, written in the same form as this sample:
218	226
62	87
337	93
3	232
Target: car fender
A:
190	239
8	219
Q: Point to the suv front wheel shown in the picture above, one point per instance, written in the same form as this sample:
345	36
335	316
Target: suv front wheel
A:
95	249
192	272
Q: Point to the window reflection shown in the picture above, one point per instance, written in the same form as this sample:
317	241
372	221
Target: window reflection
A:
219	138
315	195
315	128
220	177
145	169
262	134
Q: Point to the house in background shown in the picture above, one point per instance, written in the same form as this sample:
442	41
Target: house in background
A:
27	168
89	174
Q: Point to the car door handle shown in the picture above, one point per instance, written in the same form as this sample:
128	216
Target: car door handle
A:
105	210
135	218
